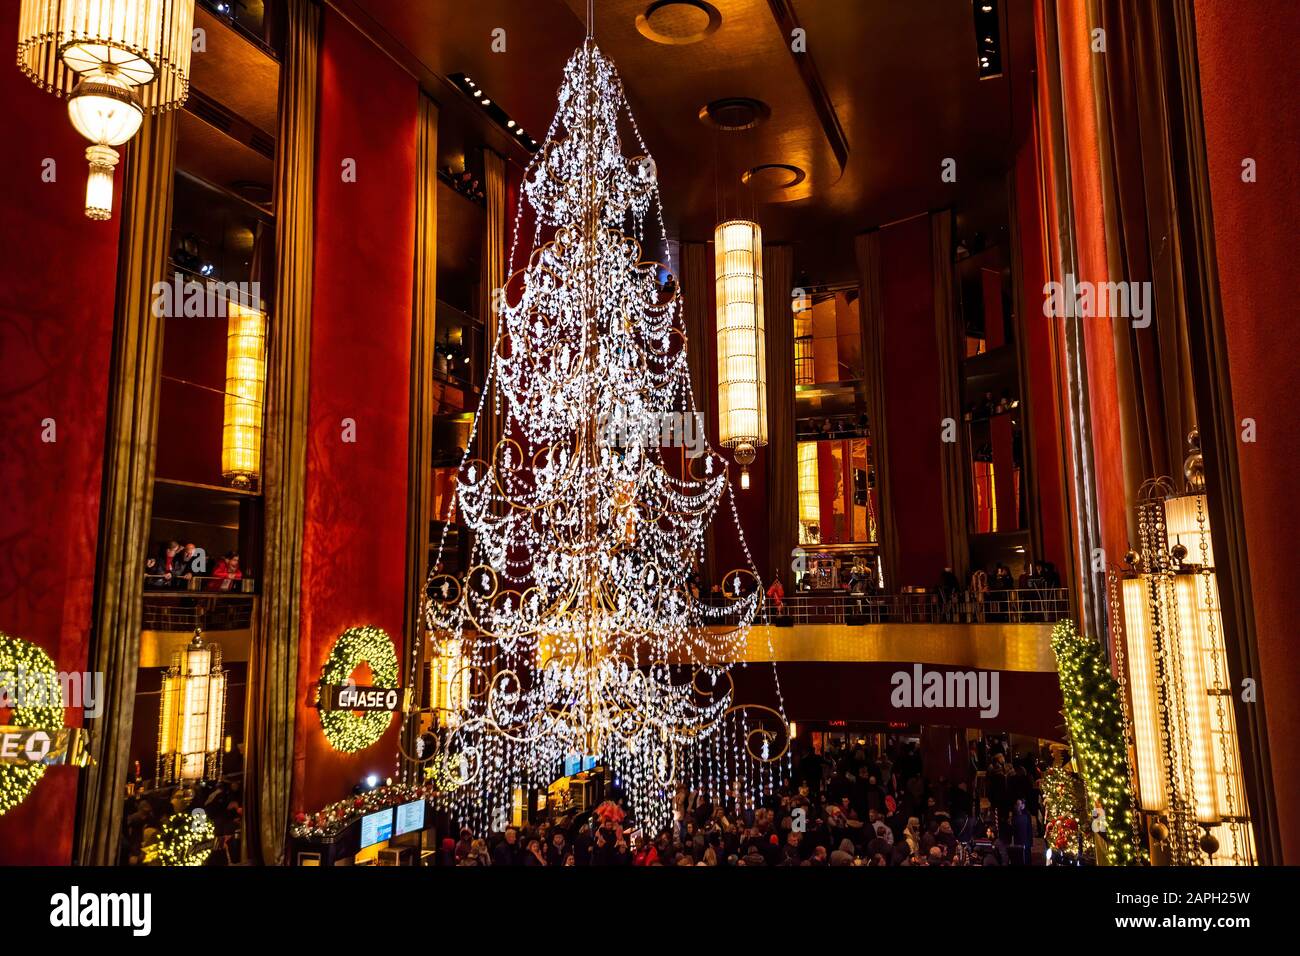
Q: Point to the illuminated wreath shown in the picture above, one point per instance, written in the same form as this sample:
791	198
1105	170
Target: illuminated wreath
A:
186	839
26	671
345	730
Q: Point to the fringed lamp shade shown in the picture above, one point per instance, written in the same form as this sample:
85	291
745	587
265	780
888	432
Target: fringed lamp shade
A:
192	719
241	435
115	60
742	361
145	42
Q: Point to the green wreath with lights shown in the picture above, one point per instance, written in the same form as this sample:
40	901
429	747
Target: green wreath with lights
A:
185	839
345	730
38	676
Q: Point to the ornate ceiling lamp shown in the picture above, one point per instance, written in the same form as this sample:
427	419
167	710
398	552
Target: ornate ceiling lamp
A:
115	60
193	712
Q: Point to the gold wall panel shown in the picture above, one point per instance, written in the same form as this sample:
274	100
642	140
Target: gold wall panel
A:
1006	647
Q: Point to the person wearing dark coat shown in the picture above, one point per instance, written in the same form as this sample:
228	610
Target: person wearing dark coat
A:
507	851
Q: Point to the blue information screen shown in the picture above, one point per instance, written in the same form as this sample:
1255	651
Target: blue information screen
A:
376	827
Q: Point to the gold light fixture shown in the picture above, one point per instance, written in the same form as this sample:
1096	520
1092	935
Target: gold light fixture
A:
810	514
190	725
1189	765
742	359
241	433
804	363
115	60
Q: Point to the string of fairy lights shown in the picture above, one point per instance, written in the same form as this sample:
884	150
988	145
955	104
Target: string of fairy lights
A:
577	632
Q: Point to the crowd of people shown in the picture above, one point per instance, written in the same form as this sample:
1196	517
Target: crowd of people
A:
852	806
176	566
145	812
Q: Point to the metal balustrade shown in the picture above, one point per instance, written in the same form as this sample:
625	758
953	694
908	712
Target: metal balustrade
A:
1019	606
184	611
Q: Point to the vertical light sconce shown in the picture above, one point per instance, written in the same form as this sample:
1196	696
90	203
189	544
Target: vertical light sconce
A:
742	358
241	433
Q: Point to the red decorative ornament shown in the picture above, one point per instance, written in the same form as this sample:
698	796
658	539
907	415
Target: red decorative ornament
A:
610	813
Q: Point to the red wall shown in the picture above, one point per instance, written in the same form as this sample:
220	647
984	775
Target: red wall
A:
1246	51
912	412
58	275
354	538
1040	362
1029	702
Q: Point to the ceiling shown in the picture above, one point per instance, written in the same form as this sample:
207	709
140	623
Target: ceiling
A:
885	92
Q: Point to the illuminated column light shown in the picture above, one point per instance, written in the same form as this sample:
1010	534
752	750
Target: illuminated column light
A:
115	60
742	359
241	433
192	717
809	493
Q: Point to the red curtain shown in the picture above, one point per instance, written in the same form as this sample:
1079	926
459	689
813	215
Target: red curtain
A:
1249	114
912	409
57	280
354	538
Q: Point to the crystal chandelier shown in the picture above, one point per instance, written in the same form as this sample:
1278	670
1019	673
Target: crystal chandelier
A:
573	625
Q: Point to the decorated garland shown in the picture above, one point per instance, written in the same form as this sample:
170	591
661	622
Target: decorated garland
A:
1096	726
185	840
344	729
334	818
26	671
1065	804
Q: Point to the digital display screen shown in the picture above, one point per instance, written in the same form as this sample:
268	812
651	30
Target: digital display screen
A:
376	827
410	817
572	764
589	763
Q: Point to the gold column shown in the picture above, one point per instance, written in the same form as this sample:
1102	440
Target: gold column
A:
871	319
696	279
129	459
492	277
273	661
419	504
782	483
952	454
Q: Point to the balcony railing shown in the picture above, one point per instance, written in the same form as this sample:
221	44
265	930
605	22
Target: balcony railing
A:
184	610
1020	606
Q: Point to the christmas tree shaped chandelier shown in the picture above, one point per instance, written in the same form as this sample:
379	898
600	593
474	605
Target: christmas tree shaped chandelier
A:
575	628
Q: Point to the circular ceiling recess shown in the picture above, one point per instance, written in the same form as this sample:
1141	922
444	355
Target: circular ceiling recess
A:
675	22
735	113
772	176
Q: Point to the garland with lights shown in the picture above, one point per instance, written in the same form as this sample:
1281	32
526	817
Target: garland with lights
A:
1095	723
333	819
27	672
1064	805
345	730
185	839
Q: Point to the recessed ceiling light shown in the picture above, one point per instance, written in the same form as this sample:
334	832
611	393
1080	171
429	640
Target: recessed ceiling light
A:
510	124
486	101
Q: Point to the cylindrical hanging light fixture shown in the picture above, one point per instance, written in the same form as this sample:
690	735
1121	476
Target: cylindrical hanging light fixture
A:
115	60
742	358
192	716
809	493
241	433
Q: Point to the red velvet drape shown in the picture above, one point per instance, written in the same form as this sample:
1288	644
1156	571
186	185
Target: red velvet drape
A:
58	273
1245	52
912	406
354	538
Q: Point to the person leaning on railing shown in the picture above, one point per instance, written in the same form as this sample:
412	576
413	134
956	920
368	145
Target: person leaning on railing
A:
227	573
